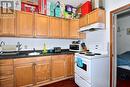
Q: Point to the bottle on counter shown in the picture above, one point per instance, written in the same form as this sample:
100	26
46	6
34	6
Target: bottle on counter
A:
44	49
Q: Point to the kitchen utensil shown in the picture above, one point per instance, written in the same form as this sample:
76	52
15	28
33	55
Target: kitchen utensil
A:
84	47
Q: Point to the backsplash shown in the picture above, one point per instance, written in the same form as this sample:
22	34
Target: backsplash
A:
92	39
30	43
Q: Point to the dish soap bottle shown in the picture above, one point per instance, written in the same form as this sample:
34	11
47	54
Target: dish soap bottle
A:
44	49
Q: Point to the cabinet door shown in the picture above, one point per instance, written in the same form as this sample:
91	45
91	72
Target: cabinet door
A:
97	15
24	75
74	28
25	24
42	69
58	67
69	65
83	21
65	28
7	26
55	27
41	26
72	64
7	82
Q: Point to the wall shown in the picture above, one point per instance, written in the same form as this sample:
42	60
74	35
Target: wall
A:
112	5
123	40
37	43
96	38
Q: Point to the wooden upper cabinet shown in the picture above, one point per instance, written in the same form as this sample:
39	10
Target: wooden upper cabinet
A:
82	35
97	15
83	21
55	27
41	25
65	28
25	24
74	28
42	69
58	67
7	26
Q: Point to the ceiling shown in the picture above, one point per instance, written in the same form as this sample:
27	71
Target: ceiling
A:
74	3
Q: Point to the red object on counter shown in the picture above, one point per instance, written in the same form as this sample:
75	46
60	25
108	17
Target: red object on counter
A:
86	8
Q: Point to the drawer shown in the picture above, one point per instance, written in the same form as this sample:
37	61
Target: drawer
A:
81	82
23	61
43	59
6	62
6	70
7	82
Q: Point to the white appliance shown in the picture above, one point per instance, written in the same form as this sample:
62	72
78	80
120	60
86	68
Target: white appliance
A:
91	27
94	72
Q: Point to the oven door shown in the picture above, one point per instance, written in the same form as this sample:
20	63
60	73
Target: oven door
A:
85	71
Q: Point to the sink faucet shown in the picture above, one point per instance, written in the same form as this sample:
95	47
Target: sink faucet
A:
2	43
19	46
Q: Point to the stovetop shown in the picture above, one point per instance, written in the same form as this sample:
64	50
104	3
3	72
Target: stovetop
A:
89	53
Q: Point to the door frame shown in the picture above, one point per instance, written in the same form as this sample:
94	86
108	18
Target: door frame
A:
112	42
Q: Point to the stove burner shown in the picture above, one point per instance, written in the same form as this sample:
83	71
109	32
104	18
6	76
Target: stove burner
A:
90	53
97	53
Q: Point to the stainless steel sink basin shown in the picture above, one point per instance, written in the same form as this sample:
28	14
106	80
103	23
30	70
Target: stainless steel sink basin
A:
33	53
8	54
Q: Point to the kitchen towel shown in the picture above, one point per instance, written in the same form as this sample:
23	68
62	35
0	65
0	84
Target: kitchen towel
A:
79	62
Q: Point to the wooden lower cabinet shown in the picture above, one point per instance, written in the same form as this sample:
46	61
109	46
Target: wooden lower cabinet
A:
69	65
42	69
24	75
58	67
7	82
35	71
6	73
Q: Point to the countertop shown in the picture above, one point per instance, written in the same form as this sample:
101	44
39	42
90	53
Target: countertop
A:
24	54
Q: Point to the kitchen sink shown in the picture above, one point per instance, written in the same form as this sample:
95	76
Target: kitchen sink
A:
34	53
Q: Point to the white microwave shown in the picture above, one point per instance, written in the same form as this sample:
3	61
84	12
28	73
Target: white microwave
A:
75	47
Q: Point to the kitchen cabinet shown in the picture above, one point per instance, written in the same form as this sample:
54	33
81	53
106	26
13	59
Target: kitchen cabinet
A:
97	15
7	82
42	69
24	72
41	25
83	21
65	28
35	71
55	27
69	65
82	35
74	28
7	26
25	24
6	73
58	67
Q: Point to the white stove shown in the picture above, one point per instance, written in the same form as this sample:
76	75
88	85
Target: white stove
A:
92	70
